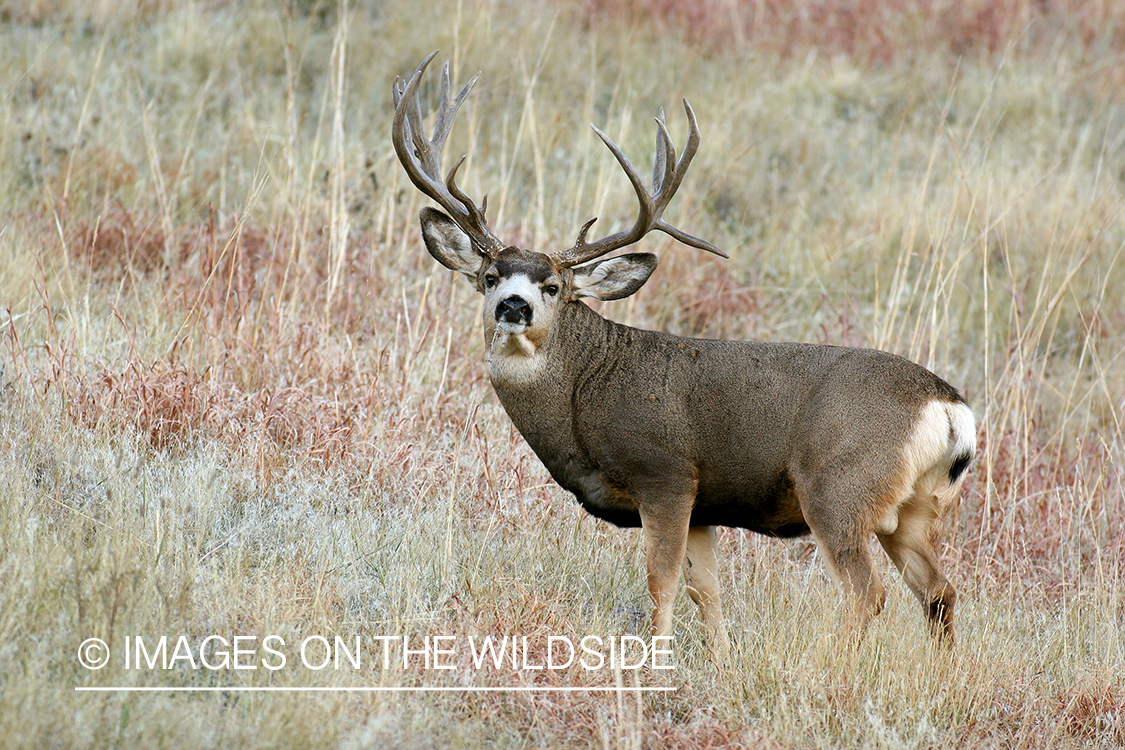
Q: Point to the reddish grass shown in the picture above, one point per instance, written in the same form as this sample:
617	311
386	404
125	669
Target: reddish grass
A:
1093	710
242	369
260	366
882	31
278	390
1051	509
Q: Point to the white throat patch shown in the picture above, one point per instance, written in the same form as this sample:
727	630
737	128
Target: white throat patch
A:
512	358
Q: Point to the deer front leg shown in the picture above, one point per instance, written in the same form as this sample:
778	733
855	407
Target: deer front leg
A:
665	525
701	575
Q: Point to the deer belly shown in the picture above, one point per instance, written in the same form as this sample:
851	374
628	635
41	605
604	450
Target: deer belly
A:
771	509
602	501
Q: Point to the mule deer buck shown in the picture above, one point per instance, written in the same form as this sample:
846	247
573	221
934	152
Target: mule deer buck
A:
679	435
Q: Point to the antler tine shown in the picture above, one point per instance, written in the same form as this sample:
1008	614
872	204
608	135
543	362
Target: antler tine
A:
664	165
449	107
421	158
690	148
668	173
672	184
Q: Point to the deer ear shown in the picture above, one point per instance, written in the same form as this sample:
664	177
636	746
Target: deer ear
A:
449	244
614	278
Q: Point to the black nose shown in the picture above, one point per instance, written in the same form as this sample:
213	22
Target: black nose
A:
514	310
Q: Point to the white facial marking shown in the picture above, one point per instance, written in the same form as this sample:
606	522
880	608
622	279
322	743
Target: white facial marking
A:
517	285
511	353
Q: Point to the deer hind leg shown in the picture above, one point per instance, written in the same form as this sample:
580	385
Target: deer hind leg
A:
843	541
849	561
701	577
911	549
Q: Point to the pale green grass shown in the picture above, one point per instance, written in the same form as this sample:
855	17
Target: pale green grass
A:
238	398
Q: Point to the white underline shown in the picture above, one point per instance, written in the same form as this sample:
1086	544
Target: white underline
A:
423	689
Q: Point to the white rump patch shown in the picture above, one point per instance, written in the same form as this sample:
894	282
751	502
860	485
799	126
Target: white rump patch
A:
944	433
964	428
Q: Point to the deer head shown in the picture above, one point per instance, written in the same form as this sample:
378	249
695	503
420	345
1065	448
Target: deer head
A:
523	289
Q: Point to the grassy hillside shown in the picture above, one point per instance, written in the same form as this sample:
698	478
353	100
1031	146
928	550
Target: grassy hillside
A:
237	398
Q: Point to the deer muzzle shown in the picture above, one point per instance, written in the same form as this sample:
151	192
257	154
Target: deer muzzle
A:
514	310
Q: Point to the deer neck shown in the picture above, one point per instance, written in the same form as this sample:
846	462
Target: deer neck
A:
548	360
513	360
536	380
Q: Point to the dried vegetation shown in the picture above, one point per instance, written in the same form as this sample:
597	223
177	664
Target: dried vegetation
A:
236	396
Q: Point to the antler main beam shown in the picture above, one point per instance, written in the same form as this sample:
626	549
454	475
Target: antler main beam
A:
422	158
667	175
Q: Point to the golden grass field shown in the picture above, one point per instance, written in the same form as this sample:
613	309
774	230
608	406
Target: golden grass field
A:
237	397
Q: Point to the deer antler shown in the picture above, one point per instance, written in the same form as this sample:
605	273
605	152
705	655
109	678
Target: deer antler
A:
422	158
666	178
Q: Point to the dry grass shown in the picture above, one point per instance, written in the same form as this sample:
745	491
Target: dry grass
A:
882	32
238	398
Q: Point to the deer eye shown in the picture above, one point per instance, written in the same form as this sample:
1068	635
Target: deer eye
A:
490	281
551	289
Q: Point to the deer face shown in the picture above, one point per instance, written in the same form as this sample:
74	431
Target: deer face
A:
521	292
525	290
